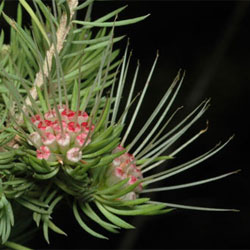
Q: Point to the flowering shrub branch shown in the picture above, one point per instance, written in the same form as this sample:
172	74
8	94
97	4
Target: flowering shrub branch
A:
72	143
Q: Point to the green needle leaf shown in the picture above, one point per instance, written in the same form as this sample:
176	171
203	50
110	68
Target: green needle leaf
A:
136	211
15	246
36	20
91	214
83	225
111	24
31	206
1	7
113	188
113	218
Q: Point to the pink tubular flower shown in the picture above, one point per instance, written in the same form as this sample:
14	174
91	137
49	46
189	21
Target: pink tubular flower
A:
43	153
63	135
63	141
49	140
36	119
133	180
73	127
57	128
86	128
80	139
74	154
44	127
82	117
68	114
120	173
61	108
50	115
124	167
48	122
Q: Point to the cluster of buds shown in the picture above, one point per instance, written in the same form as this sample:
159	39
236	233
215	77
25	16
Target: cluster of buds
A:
124	167
61	137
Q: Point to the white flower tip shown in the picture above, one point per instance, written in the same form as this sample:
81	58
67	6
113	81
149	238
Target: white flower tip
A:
48	139
35	138
81	138
63	140
74	154
129	196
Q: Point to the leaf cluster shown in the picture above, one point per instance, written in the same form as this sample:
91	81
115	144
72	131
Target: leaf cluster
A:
38	72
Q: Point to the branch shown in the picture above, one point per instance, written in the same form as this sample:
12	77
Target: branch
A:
61	34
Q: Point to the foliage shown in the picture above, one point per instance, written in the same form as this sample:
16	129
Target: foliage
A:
43	75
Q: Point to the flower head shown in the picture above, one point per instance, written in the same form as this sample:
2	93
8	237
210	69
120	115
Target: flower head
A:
82	151
64	136
124	167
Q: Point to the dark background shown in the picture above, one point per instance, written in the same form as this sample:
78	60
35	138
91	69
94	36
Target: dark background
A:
211	41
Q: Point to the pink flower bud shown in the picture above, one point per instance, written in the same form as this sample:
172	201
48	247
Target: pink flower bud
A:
61	108
48	122
43	153
73	127
80	139
63	142
132	180
86	128
44	128
74	154
82	117
84	124
119	172
57	128
50	140
124	167
68	114
36	119
58	136
50	115
137	172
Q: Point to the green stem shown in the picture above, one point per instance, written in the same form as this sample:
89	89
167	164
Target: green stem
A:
15	246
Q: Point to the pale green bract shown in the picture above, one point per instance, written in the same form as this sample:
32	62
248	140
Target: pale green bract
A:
65	134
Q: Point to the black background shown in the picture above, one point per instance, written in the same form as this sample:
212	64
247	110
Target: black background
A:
211	41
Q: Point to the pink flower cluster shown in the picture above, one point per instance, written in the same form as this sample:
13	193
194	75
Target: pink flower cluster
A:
124	167
62	137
